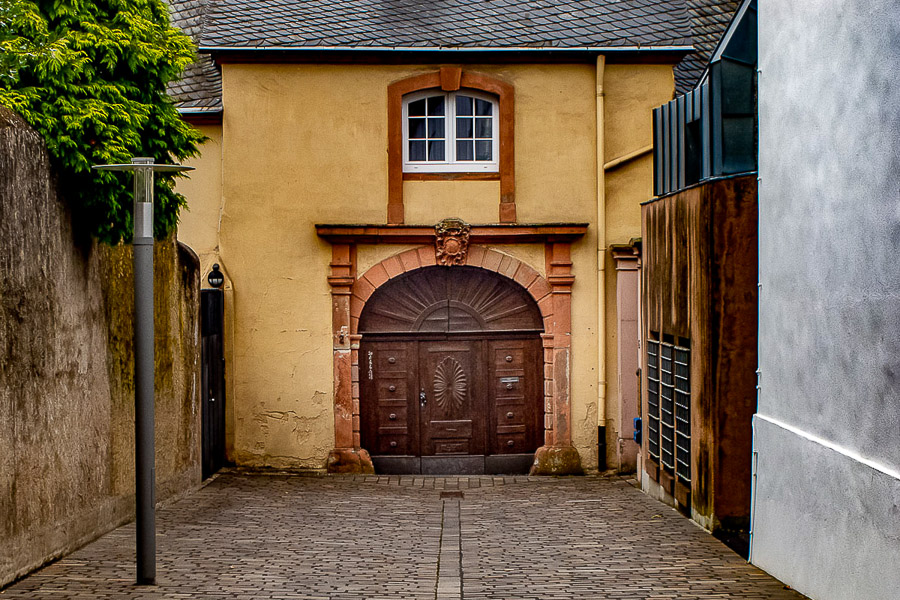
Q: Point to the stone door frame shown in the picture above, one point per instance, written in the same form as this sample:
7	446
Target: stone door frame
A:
553	296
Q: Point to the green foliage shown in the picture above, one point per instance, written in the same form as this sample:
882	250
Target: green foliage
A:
91	76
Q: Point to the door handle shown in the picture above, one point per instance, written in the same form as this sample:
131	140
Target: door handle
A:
422	398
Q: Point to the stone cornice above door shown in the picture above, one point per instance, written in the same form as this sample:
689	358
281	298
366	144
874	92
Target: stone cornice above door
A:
501	233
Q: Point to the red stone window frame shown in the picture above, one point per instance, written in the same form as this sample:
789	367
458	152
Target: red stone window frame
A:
451	79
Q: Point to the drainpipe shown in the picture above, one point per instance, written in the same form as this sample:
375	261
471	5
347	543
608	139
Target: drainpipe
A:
601	267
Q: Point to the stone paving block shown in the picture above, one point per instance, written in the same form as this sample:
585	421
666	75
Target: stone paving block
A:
257	536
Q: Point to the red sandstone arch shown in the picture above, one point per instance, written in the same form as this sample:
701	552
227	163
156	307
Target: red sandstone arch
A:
553	296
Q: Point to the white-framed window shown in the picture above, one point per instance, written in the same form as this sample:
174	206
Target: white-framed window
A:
450	132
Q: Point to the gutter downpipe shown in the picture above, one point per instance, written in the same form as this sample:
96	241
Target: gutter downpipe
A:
601	262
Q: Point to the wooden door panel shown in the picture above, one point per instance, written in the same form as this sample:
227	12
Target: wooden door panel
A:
509	386
393	413
393	387
509	356
453	413
513	443
442	447
516	384
393	442
509	414
482	397
451	429
386	369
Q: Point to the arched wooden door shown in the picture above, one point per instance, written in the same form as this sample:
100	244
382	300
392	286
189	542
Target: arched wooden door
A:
451	373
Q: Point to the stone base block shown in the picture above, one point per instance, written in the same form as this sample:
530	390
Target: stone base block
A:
348	460
556	460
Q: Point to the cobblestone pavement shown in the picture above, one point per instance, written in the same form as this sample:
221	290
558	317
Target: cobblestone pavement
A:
440	538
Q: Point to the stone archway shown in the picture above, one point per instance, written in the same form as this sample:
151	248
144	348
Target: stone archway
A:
552	294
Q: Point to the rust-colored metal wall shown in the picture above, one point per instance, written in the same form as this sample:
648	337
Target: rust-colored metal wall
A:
700	290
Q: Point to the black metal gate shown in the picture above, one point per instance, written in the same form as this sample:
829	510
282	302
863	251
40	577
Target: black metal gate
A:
212	317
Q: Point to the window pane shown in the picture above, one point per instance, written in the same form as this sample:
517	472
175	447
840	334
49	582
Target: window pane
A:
435	106
482	150
483	128
436	150
465	150
417	108
417	151
463	128
463	105
436	128
482	107
417	128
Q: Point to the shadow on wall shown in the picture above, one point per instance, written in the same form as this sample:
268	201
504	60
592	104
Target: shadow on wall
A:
66	368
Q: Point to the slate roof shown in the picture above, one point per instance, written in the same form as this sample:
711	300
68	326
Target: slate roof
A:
200	87
709	21
371	24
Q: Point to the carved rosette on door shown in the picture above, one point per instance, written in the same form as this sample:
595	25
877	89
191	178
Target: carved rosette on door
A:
449	385
447	423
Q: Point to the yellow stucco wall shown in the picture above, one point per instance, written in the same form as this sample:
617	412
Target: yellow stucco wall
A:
306	144
631	94
203	190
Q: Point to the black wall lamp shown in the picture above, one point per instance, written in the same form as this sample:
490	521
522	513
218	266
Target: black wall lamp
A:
215	277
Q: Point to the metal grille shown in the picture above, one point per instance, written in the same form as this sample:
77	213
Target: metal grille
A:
669	407
666	408
682	414
653	399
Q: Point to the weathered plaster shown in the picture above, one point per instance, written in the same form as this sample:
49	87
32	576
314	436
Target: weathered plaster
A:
66	364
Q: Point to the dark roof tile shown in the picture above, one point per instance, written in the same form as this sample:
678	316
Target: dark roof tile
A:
444	23
200	86
709	21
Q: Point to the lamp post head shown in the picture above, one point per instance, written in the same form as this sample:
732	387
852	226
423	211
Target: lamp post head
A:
143	168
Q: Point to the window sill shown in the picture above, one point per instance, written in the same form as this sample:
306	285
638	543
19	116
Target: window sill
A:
451	177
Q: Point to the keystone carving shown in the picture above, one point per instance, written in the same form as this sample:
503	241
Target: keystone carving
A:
451	242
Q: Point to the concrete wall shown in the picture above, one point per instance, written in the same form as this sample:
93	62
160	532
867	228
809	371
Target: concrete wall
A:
305	144
827	509
66	369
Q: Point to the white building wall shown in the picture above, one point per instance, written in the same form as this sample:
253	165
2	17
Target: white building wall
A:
826	517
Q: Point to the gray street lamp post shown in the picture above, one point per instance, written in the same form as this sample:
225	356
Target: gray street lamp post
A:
144	452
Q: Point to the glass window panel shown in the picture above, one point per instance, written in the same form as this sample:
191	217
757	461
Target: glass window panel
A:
483	150
465	150
436	150
417	151
483	128
417	128
464	105
436	106
436	128
483	107
417	108
463	128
